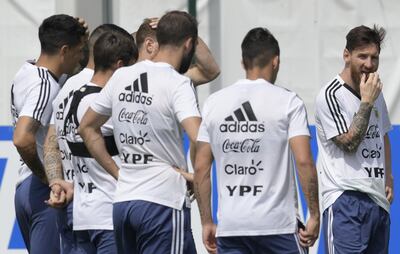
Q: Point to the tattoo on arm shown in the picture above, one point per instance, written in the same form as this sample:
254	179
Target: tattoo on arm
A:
27	148
52	159
313	198
350	141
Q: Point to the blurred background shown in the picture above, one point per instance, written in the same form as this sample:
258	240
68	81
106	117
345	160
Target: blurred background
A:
311	34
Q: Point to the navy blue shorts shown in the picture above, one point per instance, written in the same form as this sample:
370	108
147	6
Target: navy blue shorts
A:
356	224
37	221
268	244
149	228
95	242
64	224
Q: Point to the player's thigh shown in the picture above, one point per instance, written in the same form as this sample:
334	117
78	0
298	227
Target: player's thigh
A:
124	233
231	245
83	243
44	235
64	225
281	243
379	240
23	211
104	241
346	228
162	229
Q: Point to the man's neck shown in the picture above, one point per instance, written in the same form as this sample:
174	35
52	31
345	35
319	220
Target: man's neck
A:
100	78
171	55
90	64
51	63
260	73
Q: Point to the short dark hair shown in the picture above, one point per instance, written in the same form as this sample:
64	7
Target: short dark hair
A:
102	29
175	27
59	30
111	47
363	35
144	31
259	46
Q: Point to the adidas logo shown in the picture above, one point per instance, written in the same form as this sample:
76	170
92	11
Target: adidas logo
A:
137	91
62	105
246	121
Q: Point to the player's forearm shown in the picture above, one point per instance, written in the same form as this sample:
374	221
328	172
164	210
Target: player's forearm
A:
388	159
309	184
350	141
192	153
52	157
31	158
28	152
94	142
202	189
205	63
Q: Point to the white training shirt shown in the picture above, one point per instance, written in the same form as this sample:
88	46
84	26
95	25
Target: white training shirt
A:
363	171
32	91
59	112
249	125
147	103
94	187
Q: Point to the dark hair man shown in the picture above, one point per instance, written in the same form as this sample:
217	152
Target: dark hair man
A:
60	171
149	102
251	140
354	150
35	86
203	70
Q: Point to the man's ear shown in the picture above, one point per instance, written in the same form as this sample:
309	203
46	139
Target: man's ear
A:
346	55
63	51
189	44
275	62
150	45
119	64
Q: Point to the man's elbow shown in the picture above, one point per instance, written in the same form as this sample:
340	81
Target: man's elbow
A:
213	74
22	141
305	164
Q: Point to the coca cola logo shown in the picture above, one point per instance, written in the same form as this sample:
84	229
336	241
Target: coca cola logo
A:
138	117
373	132
248	145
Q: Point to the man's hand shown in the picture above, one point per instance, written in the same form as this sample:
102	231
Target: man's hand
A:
370	88
84	24
189	178
153	22
209	239
61	194
389	188
309	235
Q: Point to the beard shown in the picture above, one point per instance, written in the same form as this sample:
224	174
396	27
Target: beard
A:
187	60
355	75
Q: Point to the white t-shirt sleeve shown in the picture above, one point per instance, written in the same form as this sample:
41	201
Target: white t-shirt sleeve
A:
53	117
297	114
103	102
386	124
37	103
203	134
332	114
184	101
106	128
